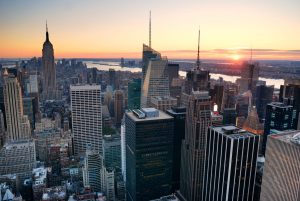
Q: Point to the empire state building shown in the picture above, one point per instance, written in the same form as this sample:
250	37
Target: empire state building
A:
49	70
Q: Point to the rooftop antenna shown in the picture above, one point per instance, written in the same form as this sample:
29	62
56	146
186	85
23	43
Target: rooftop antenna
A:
198	54
47	35
150	30
251	54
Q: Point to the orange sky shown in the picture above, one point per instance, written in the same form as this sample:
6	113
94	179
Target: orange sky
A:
115	29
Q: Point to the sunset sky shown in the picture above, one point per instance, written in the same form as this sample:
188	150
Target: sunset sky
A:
113	29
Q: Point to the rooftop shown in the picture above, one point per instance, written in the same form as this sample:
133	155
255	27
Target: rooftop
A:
233	132
161	115
279	104
83	87
291	137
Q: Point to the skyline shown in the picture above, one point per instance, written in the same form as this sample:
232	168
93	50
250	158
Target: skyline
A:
119	28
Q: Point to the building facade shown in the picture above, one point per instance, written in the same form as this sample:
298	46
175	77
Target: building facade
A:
86	117
281	176
18	125
198	119
230	164
279	116
49	69
149	154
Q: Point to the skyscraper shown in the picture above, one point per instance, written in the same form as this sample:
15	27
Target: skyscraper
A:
149	154
198	119
112	151
263	96
93	163
230	164
155	75
112	78
86	117
179	114
291	91
118	106
249	77
18	125
196	79
279	116
280	181
134	94
18	157
49	69
156	81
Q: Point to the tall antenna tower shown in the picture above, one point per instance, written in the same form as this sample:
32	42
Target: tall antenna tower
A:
198	54
150	29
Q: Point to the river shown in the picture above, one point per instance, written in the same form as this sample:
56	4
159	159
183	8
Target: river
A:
106	65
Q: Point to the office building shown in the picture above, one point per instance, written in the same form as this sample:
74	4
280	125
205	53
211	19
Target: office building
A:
173	70
228	100
230	164
2	129
118	106
112	78
217	95
290	91
123	150
18	125
229	116
112	151
18	157
29	110
149	154
263	96
148	54
279	116
249	77
134	94
280	181
86	117
93	163
163	103
178	113
197	80
252	123
156	82
175	87
108	183
49	69
198	120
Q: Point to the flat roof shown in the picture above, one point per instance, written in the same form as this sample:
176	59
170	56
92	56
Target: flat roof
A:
233	132
83	87
161	116
291	137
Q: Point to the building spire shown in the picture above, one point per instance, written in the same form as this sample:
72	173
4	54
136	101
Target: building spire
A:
198	54
47	34
150	29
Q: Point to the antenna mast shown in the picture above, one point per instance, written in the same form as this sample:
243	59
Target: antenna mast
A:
150	30
198	54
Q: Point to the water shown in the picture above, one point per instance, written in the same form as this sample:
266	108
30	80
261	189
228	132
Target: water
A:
106	65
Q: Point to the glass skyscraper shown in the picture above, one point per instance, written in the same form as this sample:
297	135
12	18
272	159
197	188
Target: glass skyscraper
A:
149	154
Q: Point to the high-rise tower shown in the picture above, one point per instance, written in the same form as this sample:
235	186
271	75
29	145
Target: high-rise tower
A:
86	117
49	71
18	126
149	154
280	181
196	79
198	119
155	80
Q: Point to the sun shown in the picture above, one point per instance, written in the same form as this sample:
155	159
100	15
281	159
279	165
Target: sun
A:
236	57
